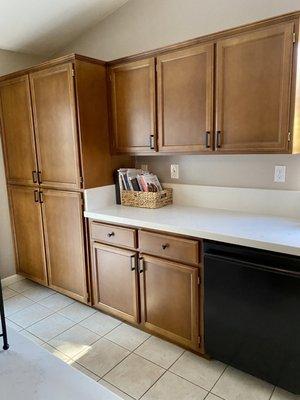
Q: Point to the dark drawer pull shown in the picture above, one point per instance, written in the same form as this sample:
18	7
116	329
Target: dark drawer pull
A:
218	139
34	177
165	246
110	234
207	140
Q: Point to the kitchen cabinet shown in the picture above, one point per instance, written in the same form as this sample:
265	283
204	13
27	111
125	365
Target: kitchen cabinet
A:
133	115
253	76
114	281
53	101
28	232
185	99
170	300
64	242
17	131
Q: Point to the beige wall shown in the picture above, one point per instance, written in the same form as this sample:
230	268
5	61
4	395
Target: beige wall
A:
142	25
9	62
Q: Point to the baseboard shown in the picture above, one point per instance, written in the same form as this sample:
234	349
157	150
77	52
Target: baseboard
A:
11	279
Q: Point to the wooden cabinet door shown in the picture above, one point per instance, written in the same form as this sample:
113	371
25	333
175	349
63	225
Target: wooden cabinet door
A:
114	281
28	232
133	107
53	102
185	99
170	300
64	241
253	91
17	131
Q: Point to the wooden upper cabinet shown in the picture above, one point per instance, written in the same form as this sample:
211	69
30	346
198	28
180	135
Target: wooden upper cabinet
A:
253	77
28	232
54	114
17	131
115	287
170	300
185	99
133	107
64	242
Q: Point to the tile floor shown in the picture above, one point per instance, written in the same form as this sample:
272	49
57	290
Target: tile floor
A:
129	362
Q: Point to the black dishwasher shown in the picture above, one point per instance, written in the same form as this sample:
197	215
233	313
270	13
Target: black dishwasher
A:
252	311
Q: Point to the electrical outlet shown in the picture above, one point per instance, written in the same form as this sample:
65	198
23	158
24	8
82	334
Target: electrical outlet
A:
144	167
174	171
279	174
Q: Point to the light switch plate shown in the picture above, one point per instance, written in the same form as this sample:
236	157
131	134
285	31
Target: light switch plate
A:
174	171
279	174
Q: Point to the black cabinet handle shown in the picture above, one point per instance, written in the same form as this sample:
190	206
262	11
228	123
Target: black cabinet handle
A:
40	176
165	246
141	265
152	146
133	262
34	177
110	234
218	139
36	196
41	197
207	139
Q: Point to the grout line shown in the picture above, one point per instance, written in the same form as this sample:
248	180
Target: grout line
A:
153	384
102	379
272	392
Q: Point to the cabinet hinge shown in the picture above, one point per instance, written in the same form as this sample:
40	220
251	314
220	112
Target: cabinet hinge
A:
81	179
73	72
289	136
199	339
294	37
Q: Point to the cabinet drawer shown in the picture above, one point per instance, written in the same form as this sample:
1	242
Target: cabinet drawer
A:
112	234
174	248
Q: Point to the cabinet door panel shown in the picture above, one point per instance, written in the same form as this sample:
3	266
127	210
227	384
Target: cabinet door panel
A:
28	233
185	99
55	126
64	240
253	90
17	130
133	106
169	300
115	281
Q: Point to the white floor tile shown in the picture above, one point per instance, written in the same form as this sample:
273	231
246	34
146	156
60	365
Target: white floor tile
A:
23	285
85	371
56	302
159	351
15	304
77	312
134	375
12	325
31	337
101	357
75	340
172	387
200	371
115	390
30	315
234	385
127	336
57	353
11	279
50	327
213	397
8	293
280	394
100	323
38	293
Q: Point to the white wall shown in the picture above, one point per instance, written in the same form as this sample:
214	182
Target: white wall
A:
142	25
9	62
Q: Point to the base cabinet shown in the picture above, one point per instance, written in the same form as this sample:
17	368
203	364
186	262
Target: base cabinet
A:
114	276
28	232
169	300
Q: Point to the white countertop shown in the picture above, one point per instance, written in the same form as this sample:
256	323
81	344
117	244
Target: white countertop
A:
254	230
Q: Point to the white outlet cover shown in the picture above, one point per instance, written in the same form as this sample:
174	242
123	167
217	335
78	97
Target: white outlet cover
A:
280	173
174	171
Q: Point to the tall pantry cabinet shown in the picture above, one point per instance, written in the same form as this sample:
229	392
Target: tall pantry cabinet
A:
55	142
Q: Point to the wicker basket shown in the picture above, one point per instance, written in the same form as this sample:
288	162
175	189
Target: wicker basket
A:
147	199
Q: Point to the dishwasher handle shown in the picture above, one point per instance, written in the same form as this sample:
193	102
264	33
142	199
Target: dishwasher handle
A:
253	265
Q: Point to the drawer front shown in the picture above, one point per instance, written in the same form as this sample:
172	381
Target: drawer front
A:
174	248
112	234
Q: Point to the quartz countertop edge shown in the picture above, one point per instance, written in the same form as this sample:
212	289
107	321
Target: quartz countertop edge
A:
267	232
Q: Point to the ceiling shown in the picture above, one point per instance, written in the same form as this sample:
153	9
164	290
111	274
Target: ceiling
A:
44	27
